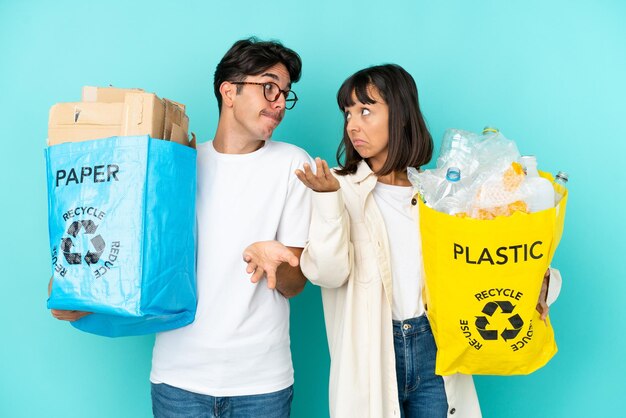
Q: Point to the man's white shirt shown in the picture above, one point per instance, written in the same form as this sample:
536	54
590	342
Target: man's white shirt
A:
239	342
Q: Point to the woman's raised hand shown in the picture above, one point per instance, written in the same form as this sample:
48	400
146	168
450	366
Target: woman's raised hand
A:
320	181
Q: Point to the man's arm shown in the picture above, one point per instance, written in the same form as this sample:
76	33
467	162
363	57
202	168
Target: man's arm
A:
278	263
290	281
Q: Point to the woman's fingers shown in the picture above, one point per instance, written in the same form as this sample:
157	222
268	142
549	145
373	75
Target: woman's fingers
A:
327	172
320	181
319	169
302	177
311	177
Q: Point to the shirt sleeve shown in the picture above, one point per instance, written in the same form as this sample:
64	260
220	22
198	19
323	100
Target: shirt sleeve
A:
555	286
328	258
293	229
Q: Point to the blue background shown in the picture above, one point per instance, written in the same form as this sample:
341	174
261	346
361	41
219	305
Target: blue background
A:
550	75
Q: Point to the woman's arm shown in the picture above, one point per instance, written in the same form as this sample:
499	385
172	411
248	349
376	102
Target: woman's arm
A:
328	256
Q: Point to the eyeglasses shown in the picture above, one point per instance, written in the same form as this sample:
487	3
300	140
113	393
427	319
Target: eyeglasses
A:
272	92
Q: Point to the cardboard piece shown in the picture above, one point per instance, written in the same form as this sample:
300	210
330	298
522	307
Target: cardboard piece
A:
106	94
110	111
174	115
75	122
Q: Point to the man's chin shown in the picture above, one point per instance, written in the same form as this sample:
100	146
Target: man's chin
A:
267	135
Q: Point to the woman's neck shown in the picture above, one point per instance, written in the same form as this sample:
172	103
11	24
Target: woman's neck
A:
395	178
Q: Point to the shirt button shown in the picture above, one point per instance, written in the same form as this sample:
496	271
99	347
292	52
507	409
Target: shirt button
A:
414	201
452	411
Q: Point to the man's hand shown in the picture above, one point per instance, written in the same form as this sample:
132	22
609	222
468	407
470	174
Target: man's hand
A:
263	259
320	181
70	316
65	315
542	305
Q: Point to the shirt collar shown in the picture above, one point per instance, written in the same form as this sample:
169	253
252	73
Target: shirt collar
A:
363	172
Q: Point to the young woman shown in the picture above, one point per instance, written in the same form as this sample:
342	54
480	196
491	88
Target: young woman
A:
364	251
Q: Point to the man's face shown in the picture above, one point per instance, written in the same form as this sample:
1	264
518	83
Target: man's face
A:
253	113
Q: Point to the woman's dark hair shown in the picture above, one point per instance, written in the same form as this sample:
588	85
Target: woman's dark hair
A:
252	57
410	143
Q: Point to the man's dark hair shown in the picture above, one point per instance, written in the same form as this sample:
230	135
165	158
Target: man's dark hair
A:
252	57
410	143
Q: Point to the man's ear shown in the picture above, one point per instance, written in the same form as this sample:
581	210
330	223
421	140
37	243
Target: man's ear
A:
228	92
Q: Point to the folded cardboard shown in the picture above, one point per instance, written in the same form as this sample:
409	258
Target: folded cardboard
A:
110	111
176	122
106	94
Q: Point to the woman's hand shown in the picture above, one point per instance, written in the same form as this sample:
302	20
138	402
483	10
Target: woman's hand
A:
320	181
542	304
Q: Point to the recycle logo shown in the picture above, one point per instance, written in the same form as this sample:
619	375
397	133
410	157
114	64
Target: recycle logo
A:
490	308
89	228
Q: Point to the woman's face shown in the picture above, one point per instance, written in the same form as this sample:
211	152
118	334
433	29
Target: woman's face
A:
367	126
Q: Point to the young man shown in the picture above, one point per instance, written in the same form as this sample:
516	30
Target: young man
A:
234	360
253	218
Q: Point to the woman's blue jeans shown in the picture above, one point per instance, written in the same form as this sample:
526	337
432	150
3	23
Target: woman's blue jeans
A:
421	392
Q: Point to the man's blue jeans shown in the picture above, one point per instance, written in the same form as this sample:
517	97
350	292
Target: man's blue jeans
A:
421	392
172	402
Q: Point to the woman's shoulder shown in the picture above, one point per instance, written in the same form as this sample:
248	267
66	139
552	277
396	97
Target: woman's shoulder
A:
343	178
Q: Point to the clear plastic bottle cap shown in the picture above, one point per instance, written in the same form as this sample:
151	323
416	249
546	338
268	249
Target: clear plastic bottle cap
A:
562	175
453	174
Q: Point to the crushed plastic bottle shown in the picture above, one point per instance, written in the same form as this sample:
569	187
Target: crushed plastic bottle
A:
449	196
457	151
495	148
494	183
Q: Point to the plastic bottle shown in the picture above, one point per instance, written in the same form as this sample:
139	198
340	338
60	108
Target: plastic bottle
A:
560	179
495	149
449	195
490	130
457	151
540	190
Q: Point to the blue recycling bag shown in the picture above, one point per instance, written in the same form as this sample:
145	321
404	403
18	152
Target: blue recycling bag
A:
121	216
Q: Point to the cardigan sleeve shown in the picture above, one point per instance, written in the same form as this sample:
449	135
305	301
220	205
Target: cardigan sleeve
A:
328	256
555	286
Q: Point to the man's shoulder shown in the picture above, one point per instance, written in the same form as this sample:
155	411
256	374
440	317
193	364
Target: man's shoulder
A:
204	148
286	147
287	150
